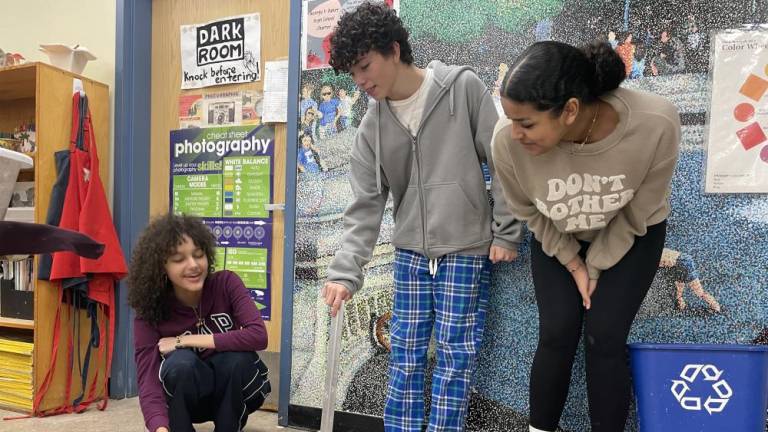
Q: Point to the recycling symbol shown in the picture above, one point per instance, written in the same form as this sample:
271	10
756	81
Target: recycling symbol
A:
714	403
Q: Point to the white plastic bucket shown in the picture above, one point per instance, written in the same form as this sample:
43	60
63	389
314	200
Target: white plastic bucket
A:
11	163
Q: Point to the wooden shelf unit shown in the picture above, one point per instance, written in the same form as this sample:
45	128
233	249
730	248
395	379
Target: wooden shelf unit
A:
17	323
42	93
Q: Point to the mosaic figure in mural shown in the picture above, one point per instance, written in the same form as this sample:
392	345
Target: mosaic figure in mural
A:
711	282
308	111
687	277
423	141
588	167
309	157
328	112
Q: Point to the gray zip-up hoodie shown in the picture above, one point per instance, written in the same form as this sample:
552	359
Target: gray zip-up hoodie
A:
436	181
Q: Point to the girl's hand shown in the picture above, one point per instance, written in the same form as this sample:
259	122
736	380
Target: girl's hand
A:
166	345
579	272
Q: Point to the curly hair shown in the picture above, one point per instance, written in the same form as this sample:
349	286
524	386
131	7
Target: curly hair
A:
150	291
370	27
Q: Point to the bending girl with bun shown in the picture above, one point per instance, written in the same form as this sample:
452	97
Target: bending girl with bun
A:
588	166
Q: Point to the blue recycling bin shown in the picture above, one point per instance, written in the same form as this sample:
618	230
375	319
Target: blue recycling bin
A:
700	388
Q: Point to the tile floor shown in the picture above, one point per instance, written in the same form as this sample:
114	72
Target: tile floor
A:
120	416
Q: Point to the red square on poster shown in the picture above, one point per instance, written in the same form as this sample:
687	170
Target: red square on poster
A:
754	87
751	136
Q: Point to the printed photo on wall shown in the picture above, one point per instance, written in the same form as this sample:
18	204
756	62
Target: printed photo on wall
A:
252	107
226	51
320	17
223	108
190	110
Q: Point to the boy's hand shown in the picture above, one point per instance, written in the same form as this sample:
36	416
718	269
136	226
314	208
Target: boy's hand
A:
334	293
500	254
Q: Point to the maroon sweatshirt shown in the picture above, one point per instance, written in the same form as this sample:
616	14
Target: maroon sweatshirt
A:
230	315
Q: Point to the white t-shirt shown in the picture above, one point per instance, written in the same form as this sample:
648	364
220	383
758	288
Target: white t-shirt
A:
409	111
345	107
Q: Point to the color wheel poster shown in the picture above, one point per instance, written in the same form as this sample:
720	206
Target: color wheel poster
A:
737	145
224	176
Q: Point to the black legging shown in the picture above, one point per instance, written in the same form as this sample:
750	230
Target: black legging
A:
620	291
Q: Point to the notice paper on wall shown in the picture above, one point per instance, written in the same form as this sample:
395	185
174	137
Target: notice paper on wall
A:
225	51
275	92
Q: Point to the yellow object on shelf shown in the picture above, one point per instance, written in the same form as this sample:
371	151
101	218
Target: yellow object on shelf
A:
16	400
16	389
18	374
15	347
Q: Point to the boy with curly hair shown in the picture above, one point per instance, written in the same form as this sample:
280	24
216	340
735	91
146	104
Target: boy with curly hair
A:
422	140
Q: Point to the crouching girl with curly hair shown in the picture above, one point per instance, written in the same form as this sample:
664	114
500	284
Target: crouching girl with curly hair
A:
196	332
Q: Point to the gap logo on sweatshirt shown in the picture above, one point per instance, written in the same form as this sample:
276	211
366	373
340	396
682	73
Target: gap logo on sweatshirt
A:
222	321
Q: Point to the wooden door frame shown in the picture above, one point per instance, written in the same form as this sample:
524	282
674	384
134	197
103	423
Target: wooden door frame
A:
131	180
286	335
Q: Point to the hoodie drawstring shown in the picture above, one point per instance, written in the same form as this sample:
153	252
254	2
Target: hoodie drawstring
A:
433	263
450	101
378	148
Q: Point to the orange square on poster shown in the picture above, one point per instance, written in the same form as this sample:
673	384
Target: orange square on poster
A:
754	87
751	136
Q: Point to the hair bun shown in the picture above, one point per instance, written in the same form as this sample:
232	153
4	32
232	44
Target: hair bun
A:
610	70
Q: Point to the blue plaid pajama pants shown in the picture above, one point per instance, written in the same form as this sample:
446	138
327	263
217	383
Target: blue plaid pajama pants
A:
454	302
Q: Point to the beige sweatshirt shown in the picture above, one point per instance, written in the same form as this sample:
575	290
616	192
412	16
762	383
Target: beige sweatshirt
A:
606	193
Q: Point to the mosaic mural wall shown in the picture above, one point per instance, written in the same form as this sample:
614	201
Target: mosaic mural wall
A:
712	283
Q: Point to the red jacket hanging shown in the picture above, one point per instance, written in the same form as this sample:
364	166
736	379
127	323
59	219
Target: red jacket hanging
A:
86	210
